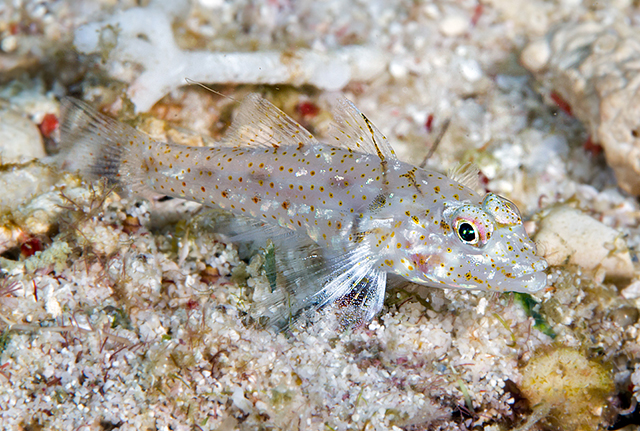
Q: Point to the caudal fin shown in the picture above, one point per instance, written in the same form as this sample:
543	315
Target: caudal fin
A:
99	146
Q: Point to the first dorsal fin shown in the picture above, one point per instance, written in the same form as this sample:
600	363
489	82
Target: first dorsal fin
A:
353	130
467	174
259	123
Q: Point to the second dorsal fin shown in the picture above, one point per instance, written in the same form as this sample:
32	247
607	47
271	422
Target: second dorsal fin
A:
352	130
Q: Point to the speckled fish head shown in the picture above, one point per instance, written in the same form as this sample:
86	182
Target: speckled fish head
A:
481	246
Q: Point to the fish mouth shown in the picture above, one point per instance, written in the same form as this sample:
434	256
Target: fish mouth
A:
540	265
522	270
533	280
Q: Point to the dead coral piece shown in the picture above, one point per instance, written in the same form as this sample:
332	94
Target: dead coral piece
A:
575	388
144	36
568	235
20	139
594	68
21	183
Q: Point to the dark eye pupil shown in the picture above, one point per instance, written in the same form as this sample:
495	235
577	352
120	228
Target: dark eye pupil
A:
467	232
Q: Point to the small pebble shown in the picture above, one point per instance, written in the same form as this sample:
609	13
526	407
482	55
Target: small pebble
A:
568	235
536	55
20	139
212	4
9	43
454	25
632	291
470	70
431	11
625	316
398	70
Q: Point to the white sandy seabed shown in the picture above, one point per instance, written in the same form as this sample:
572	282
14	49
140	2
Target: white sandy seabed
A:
129	313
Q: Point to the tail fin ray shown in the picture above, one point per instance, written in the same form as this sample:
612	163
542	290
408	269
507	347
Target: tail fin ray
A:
101	147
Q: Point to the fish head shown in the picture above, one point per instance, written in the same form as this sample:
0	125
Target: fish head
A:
477	246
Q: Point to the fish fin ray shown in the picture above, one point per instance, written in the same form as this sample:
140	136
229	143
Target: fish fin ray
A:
260	123
237	228
248	234
352	130
364	301
311	278
467	174
101	147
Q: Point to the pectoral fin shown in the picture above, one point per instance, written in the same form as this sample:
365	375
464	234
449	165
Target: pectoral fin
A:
312	279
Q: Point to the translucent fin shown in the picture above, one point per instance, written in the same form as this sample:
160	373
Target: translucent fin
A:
310	278
353	130
259	123
99	146
238	228
467	174
364	301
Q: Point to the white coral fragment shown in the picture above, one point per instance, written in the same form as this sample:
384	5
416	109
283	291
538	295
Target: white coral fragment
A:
144	36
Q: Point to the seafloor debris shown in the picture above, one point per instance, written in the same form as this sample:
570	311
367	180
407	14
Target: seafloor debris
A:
594	67
144	36
567	235
571	389
20	138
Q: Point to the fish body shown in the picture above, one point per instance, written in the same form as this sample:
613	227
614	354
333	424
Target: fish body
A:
346	211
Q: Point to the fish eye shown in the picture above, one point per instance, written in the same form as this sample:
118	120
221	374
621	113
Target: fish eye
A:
467	232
